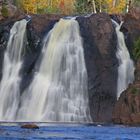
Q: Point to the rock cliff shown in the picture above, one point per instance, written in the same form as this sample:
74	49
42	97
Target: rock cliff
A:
99	41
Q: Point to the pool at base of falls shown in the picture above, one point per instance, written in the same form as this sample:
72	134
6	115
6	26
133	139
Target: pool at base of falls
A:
69	131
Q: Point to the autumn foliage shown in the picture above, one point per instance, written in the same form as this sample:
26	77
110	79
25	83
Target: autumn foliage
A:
72	6
114	6
48	6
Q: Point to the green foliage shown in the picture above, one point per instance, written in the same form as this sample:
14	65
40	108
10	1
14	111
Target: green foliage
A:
4	11
135	91
83	6
52	10
136	49
110	6
17	3
136	3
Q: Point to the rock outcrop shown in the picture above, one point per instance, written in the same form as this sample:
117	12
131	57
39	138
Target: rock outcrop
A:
100	55
127	108
131	27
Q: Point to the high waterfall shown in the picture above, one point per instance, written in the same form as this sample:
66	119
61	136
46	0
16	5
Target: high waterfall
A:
126	66
10	83
58	91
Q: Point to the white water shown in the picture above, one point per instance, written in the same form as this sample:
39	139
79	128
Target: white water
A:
126	66
58	91
9	86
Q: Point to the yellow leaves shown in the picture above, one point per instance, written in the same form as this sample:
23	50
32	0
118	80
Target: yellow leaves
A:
34	6
116	6
68	6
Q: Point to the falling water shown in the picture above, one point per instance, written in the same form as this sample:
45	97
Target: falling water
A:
9	86
126	66
58	91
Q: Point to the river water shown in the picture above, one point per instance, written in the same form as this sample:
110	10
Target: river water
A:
69	132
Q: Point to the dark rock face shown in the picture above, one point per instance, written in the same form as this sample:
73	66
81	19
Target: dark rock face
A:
99	39
100	55
4	35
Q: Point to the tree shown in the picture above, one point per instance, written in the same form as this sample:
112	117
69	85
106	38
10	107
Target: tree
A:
85	6
46	6
116	6
31	6
109	6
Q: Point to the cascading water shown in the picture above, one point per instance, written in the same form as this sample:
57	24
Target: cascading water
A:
58	91
126	66
9	86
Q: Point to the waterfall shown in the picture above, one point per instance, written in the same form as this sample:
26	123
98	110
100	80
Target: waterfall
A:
58	91
9	86
126	66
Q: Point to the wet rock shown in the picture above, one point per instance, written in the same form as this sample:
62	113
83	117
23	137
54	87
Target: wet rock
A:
30	126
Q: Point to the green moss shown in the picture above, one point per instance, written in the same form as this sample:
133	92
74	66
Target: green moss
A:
136	49
135	91
4	11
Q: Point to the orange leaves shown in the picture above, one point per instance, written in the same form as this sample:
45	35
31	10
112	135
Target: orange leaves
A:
70	6
63	6
66	6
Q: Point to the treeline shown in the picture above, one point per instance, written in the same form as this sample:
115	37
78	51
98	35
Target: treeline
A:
108	6
74	6
46	6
